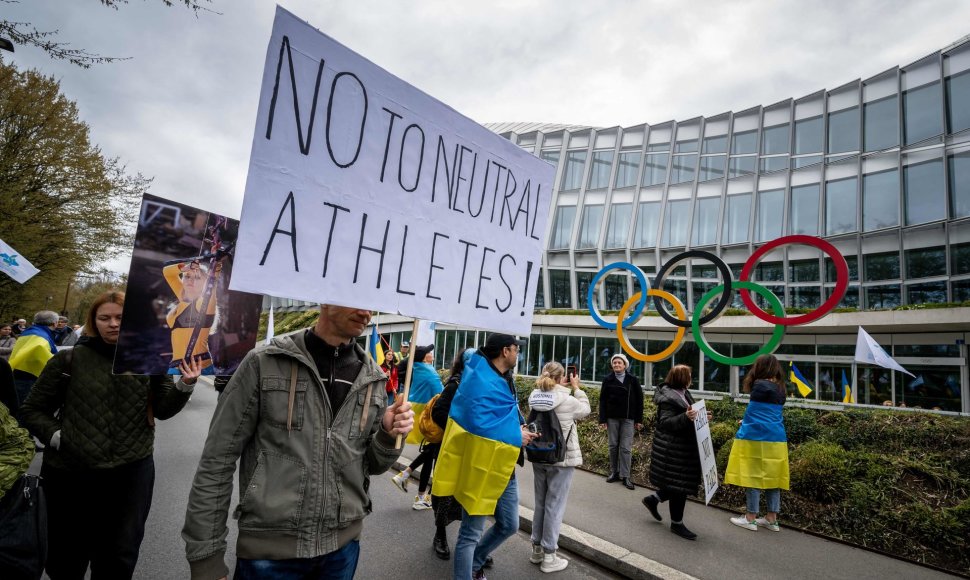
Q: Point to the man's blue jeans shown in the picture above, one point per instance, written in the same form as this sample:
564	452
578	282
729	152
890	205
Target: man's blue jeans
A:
472	548
339	565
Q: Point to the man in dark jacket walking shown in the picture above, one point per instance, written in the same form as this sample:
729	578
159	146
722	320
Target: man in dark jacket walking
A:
308	416
621	410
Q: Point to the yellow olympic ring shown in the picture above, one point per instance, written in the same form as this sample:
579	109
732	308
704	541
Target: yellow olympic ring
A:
674	345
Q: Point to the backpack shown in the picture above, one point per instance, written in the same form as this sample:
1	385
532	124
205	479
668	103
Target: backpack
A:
429	429
550	446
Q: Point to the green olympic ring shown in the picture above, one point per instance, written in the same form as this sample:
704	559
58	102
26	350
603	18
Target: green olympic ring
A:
768	348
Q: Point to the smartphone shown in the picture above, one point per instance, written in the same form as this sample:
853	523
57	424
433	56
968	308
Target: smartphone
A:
533	428
571	371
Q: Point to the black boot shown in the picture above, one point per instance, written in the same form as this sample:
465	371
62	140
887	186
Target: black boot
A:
441	548
628	483
613	477
682	531
651	502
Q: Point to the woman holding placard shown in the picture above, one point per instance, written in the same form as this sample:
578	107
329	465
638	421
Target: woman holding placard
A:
675	466
759	454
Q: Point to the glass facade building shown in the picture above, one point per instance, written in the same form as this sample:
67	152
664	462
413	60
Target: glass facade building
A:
879	167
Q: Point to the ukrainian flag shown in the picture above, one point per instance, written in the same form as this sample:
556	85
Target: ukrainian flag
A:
32	350
846	390
759	455
374	346
425	384
482	440
800	381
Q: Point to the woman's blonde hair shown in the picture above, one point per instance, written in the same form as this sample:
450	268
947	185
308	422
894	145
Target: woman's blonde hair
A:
551	376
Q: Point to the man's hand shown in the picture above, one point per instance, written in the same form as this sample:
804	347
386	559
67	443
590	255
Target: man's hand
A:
527	436
602	425
399	418
639	426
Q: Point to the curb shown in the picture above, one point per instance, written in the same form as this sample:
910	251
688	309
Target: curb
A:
599	551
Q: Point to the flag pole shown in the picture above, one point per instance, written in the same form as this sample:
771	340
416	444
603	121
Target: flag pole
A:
407	380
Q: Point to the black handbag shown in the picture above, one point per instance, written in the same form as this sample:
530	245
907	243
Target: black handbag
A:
23	530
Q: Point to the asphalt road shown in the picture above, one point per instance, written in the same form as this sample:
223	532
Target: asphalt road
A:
396	541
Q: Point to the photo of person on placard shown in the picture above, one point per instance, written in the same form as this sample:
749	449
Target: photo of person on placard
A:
179	303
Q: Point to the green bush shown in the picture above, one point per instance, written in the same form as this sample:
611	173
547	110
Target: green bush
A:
820	471
721	433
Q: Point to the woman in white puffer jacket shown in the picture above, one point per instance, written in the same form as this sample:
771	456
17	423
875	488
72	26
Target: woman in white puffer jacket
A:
567	399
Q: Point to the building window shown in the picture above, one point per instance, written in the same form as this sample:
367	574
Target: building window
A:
615	288
655	169
959	259
804	210
881	124
540	297
882	297
805	161
589	230
880	200
742	166
805	296
563	227
550	155
808	136
851	261
573	176
926	293
844	131
715	144
960	290
736	219
849	300
775	140
771	206
840	206
599	175
626	173
922	112
923	192
926	262
744	142
958	102
618	229
559	284
705	221
883	266
683	168
648	215
771	164
675	226
686	146
583	280
960	183
712	167
803	271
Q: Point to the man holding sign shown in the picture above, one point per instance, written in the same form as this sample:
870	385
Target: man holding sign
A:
308	415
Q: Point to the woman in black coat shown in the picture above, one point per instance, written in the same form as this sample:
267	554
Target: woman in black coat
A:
621	410
675	466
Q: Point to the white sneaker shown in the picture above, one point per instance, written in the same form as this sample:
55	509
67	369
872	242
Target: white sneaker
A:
401	481
553	563
422	502
764	523
536	557
742	522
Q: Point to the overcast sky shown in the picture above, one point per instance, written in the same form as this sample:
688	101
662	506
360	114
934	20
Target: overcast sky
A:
182	108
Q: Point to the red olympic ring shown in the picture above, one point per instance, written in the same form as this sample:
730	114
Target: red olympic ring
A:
841	280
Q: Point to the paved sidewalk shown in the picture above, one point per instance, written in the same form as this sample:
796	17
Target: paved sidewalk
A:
606	523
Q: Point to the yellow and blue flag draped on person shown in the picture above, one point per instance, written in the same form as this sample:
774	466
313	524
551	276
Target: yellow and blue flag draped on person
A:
425	384
800	381
32	350
759	454
846	390
482	440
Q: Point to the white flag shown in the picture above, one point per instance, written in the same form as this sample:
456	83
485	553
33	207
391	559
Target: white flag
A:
14	265
425	334
270	330
868	351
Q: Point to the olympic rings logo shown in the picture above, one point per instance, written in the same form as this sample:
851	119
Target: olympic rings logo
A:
725	290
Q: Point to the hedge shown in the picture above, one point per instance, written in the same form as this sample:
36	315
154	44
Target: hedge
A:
895	482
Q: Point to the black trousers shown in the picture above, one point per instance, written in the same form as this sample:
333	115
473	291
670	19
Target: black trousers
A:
677	501
97	517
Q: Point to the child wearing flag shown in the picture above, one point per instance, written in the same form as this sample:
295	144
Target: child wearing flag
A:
759	455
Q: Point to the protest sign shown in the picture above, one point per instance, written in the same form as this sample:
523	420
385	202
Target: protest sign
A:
706	450
177	301
364	191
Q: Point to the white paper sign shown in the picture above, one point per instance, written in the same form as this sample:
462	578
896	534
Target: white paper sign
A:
867	350
706	450
14	265
364	191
